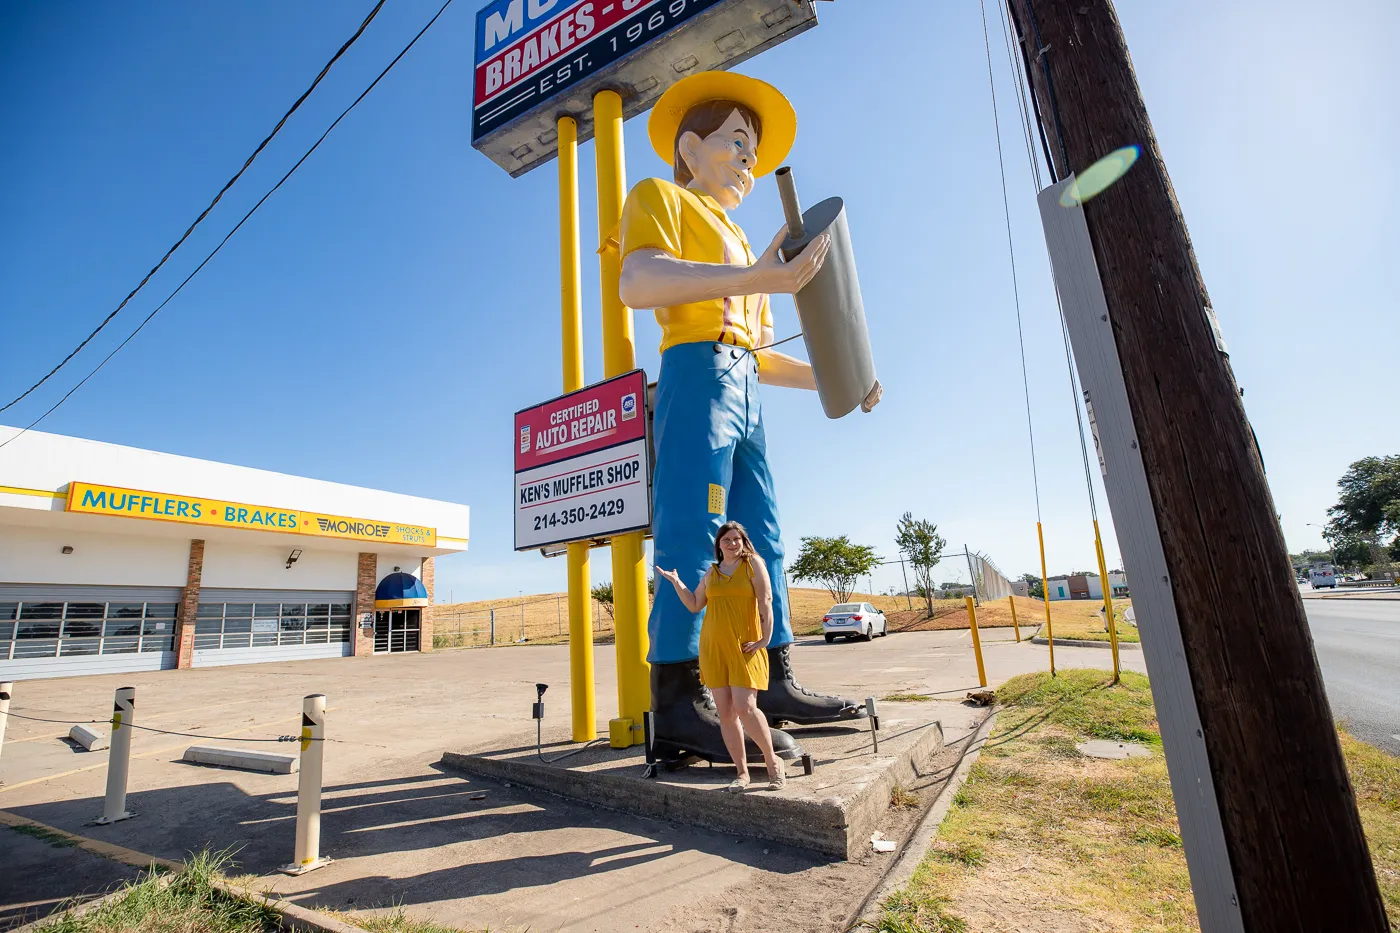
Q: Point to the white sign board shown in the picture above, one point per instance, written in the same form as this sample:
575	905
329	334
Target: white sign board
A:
582	469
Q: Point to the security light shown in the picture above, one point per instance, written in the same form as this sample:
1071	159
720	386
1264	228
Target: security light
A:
292	557
68	549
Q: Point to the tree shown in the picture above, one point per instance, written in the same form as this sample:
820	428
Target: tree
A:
835	563
602	593
1369	505
1034	585
922	544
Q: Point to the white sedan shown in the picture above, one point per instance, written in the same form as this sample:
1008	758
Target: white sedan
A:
854	620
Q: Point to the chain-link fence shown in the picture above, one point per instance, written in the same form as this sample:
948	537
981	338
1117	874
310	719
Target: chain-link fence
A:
512	621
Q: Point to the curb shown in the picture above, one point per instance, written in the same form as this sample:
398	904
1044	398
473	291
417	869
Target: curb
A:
917	844
1036	639
294	917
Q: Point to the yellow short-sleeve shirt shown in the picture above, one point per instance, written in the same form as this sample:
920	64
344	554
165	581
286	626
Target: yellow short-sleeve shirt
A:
691	225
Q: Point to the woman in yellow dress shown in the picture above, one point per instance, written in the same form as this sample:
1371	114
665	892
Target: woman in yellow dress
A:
733	645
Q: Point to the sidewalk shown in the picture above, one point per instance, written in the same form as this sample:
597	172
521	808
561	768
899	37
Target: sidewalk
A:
401	831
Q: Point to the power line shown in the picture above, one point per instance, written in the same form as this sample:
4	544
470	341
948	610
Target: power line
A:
237	226
205	213
1011	249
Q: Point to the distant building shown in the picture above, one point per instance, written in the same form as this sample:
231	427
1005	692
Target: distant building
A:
1118	584
1074	586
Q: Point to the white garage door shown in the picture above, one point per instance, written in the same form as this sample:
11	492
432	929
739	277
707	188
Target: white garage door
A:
252	626
62	631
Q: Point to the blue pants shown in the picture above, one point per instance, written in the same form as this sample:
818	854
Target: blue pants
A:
709	432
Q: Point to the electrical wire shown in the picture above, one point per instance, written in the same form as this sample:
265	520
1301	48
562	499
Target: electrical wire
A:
1011	250
236	227
1019	83
132	725
205	213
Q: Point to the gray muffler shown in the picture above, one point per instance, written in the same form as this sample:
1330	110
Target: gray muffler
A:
829	306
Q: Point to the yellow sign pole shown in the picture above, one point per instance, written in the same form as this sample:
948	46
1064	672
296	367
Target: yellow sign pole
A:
976	641
620	356
1045	594
1107	602
1015	626
585	718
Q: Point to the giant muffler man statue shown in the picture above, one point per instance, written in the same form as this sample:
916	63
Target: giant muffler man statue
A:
683	256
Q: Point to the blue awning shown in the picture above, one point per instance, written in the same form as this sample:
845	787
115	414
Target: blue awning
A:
399	591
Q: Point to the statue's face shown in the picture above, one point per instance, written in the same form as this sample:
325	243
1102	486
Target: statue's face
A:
722	163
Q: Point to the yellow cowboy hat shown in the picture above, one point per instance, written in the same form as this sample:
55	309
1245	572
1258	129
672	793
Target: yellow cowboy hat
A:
773	109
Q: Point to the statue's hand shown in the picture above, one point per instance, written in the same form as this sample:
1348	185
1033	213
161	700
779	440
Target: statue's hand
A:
776	277
873	399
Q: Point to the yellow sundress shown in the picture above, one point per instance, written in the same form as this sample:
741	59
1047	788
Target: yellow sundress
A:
731	618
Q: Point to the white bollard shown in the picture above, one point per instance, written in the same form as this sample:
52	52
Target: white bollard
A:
119	758
5	689
307	854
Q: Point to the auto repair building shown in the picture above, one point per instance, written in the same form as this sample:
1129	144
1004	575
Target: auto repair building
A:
116	559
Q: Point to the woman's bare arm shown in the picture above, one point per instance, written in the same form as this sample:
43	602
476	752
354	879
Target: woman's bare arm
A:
694	601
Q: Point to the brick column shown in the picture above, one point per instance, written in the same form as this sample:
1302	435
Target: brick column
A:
364	602
189	606
425	637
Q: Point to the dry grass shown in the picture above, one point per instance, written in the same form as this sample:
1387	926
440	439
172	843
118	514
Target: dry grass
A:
544	618
1040	838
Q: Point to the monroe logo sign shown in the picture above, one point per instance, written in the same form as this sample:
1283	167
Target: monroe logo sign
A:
527	51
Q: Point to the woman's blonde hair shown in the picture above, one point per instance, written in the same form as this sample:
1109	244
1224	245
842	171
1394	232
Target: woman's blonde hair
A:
726	528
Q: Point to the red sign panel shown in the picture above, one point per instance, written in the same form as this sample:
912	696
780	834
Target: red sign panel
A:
581	422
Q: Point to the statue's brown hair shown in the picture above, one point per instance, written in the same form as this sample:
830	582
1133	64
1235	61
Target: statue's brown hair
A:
702	120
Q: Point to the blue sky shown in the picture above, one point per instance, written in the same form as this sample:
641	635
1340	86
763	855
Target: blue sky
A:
402	288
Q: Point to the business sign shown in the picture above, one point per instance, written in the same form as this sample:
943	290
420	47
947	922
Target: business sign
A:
93	499
581	465
537	59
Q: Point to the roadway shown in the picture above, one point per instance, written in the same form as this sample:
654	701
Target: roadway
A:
1358	647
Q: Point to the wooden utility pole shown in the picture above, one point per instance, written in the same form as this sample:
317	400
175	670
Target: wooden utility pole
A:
1268	816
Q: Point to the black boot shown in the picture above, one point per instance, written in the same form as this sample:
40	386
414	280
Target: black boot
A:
685	721
786	700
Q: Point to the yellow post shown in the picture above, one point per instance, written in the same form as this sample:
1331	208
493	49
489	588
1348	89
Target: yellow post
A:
1045	594
1107	602
585	718
619	356
1015	626
976	641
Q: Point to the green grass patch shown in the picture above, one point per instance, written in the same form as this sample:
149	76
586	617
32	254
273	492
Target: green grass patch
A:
906	698
1040	837
1375	777
901	799
187	902
45	835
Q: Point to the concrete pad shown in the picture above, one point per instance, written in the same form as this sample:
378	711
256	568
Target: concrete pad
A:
832	812
1107	748
89	738
242	759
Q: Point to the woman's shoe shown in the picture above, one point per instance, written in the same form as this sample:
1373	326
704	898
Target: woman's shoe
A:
777	781
737	786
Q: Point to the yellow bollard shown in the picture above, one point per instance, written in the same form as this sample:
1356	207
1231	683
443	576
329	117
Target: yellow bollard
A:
1015	626
585	717
1107	603
976	641
1045	595
630	607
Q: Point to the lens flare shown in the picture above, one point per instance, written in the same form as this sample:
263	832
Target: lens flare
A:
1093	180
